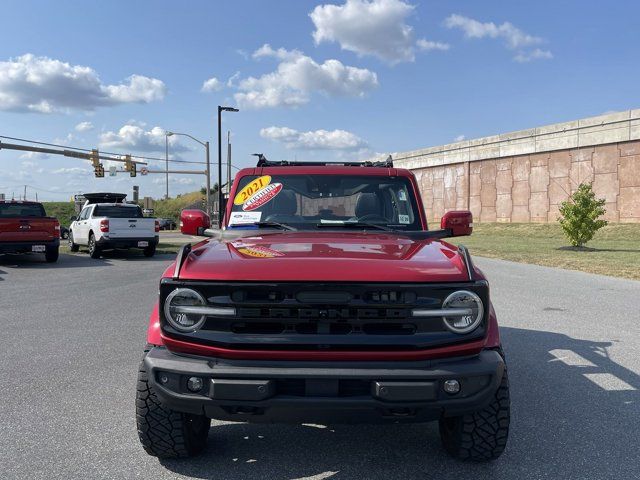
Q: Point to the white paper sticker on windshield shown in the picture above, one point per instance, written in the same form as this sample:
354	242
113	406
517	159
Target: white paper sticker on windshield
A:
402	196
404	219
244	218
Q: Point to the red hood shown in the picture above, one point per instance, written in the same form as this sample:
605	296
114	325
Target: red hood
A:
326	256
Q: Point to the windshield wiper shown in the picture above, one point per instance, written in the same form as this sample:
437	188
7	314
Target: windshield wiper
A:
354	225
282	226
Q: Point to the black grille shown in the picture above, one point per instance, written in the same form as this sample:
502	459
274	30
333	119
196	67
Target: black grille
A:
329	316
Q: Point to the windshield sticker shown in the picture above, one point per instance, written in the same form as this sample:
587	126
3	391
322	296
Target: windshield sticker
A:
404	219
253	187
259	251
244	218
262	197
402	196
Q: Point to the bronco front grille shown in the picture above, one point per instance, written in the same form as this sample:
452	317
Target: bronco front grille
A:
327	316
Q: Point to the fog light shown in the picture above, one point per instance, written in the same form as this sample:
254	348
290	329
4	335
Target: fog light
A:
163	378
451	386
194	384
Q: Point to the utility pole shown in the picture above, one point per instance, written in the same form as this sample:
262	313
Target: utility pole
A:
24	197
166	157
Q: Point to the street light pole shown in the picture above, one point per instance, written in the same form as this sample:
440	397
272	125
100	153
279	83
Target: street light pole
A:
220	197
207	170
208	199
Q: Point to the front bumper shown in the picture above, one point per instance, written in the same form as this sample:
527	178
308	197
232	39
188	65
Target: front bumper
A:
25	247
324	392
106	243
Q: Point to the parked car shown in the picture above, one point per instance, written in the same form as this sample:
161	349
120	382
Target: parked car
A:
167	224
104	226
26	228
325	299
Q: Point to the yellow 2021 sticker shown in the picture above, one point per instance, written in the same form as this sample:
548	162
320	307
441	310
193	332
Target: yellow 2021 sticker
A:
253	187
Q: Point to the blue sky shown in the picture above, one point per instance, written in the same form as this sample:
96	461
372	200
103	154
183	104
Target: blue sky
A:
314	80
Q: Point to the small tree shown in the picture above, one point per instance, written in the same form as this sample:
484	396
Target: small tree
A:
581	214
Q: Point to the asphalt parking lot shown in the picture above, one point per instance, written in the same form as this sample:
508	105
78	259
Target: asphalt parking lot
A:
73	333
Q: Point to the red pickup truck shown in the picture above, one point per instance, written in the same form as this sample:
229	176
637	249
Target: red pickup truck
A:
25	227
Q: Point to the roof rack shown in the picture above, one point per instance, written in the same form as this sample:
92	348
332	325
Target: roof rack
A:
263	162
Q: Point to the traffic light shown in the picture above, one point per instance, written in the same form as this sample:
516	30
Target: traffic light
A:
129	166
94	158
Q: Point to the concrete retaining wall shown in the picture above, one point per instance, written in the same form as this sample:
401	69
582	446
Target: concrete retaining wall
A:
523	176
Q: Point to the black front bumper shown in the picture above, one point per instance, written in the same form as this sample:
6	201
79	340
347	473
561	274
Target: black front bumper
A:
324	392
26	247
109	243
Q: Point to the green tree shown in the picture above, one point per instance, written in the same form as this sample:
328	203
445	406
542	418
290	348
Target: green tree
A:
580	215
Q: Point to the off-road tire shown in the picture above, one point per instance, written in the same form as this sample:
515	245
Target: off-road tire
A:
74	247
51	254
480	436
163	432
149	251
94	249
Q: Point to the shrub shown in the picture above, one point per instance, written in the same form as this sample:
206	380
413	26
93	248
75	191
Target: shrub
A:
580	215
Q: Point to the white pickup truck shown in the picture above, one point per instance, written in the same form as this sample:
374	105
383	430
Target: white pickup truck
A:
104	226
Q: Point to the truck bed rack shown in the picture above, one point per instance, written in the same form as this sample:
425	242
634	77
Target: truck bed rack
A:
263	162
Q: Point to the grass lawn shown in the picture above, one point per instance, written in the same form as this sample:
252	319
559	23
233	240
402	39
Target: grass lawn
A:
615	249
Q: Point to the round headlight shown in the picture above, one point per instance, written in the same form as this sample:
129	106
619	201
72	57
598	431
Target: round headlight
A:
177	312
463	299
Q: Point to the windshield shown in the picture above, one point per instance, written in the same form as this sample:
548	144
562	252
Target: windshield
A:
13	210
325	201
117	211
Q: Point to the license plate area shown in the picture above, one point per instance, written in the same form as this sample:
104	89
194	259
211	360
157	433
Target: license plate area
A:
38	248
143	244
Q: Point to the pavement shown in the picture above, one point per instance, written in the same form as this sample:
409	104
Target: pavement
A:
73	334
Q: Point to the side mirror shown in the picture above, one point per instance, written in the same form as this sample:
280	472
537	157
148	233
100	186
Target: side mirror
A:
73	218
193	222
458	222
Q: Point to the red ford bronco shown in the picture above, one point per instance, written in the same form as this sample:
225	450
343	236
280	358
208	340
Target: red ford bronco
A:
324	298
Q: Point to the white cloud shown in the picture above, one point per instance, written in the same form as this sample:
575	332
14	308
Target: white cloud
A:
45	85
231	81
459	138
33	156
536	54
76	171
174	180
374	27
136	138
314	140
515	39
424	44
212	85
84	126
297	77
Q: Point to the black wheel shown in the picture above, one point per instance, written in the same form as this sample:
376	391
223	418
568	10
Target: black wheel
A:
51	255
65	235
149	251
74	247
479	436
94	249
163	432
